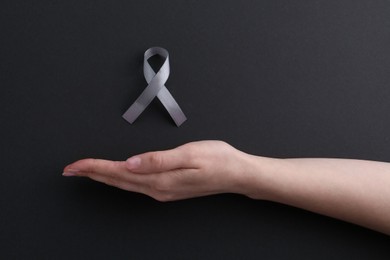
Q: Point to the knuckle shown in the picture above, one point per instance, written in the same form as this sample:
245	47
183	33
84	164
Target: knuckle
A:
163	185
163	197
223	144
93	165
113	182
162	189
156	160
191	153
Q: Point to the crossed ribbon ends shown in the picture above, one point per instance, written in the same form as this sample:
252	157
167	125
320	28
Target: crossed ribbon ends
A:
156	87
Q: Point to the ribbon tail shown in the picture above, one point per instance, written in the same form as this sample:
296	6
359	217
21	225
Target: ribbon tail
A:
171	106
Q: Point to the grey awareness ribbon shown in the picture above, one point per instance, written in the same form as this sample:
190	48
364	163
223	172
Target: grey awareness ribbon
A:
156	87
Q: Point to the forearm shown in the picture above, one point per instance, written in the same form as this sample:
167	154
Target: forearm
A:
352	190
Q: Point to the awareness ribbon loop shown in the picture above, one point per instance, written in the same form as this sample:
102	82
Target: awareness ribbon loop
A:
156	87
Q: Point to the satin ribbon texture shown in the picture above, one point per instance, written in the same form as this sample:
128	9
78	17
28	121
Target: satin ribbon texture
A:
156	87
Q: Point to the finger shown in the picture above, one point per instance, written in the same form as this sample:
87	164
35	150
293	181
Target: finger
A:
113	170
113	173
162	161
97	166
118	183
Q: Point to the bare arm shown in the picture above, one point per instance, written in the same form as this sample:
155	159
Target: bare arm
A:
352	190
356	191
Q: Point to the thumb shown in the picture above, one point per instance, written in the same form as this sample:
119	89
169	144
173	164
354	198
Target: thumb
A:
155	162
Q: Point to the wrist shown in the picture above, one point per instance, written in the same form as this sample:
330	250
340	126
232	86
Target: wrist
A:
258	175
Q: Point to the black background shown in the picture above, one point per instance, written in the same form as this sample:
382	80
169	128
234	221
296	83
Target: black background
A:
274	78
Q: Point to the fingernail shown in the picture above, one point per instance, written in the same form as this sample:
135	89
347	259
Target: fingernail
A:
70	172
133	162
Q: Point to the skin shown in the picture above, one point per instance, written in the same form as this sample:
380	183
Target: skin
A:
356	191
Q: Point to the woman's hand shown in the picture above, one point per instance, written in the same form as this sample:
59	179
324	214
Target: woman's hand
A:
191	170
356	191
